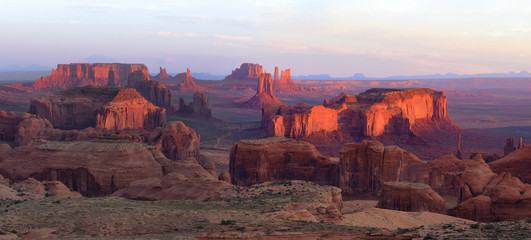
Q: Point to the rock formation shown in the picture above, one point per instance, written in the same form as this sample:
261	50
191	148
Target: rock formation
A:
153	91
518	163
458	154
444	174
199	107
8	124
183	179
82	74
162	75
364	167
278	159
247	72
284	83
97	167
264	93
509	146
175	140
487	196
33	189
411	197
373	113
100	107
188	83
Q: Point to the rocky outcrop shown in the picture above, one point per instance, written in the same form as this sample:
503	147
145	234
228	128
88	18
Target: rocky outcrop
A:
485	196
162	75
188	83
246	72
82	74
101	107
199	107
444	174
97	167
8	124
155	92
518	163
33	189
278	159
411	197
364	167
373	113
183	179
175	140
264	93
509	146
284	83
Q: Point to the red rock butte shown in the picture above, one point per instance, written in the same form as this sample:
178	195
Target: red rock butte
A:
284	83
101	107
188	83
82	74
246	72
264	93
375	112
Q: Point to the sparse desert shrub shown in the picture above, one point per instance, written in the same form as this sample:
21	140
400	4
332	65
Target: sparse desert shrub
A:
474	226
227	222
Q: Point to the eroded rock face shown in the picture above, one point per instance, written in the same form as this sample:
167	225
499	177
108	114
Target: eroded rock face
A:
199	107
8	124
100	107
162	75
366	166
155	92
33	189
284	83
97	167
67	76
183	179
518	163
175	140
486	196
444	174
264	93
188	83
277	159
373	113
411	197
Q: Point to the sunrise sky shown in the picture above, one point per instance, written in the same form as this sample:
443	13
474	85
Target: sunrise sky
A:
338	37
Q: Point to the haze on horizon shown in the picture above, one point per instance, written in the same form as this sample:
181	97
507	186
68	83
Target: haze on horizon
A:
340	37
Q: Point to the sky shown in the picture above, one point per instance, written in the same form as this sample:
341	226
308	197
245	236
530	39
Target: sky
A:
336	37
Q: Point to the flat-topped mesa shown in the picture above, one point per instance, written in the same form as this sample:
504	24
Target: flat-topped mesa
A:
246	72
373	113
153	91
162	75
188	83
101	107
264	93
82	74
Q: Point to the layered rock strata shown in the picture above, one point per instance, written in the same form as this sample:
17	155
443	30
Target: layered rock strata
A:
411	197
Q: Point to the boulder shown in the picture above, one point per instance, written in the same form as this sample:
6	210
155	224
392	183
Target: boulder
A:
224	176
411	197
364	167
278	159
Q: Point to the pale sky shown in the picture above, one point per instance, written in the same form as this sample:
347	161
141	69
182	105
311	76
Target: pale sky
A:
337	37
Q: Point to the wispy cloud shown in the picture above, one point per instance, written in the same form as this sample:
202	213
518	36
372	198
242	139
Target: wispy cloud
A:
69	22
234	38
171	34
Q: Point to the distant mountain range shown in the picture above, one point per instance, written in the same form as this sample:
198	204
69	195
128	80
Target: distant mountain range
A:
361	76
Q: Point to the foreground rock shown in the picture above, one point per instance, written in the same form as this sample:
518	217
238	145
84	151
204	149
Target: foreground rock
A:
364	167
518	163
373	113
175	140
444	174
72	75
278	159
485	196
411	197
33	189
101	107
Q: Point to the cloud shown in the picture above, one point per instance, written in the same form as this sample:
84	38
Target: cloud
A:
170	34
234	38
69	22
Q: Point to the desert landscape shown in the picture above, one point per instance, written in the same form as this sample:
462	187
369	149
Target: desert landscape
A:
135	149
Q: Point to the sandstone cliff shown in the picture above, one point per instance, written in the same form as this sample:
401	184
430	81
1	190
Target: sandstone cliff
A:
264	93
411	197
518	163
373	113
102	107
278	159
82	74
246	72
199	107
153	91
